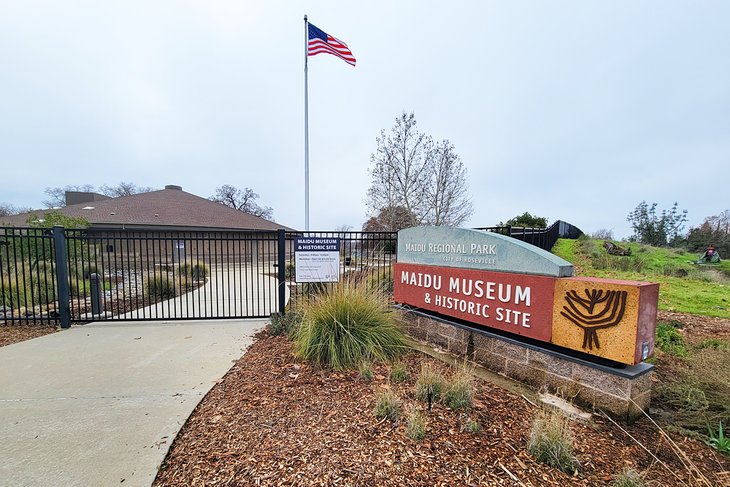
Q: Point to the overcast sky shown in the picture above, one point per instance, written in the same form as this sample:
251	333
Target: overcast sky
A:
571	110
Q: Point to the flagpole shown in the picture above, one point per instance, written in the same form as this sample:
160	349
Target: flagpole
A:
306	126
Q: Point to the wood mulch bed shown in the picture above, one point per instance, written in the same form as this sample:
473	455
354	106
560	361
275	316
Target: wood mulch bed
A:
273	420
18	333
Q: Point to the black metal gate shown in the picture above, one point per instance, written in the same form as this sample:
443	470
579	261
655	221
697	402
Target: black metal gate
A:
71	275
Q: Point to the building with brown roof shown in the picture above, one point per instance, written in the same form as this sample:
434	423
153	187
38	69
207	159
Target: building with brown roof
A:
165	226
169	209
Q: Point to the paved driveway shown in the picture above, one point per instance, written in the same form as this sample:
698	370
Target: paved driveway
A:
100	404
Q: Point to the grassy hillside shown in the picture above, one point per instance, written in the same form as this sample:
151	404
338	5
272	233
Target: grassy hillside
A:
683	286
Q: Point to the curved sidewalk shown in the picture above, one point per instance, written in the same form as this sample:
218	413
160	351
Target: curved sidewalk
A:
100	404
245	291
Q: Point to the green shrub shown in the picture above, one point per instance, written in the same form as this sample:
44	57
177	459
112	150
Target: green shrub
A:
628	478
346	325
460	391
160	287
429	384
12	295
399	372
194	270
551	442
284	324
35	287
387	405
669	340
290	271
79	288
416	425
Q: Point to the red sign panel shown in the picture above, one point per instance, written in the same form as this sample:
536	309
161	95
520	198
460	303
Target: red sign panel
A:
517	303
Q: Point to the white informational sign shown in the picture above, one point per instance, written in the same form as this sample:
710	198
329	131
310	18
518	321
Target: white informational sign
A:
317	259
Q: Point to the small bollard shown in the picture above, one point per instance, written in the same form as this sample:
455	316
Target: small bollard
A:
96	302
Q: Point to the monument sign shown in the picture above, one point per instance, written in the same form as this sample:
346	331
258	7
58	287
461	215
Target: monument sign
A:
498	282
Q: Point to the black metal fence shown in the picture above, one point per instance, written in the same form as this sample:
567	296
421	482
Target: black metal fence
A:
544	238
152	275
365	257
78	275
28	276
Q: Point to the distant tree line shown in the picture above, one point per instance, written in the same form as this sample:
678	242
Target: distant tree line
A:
6	209
57	196
666	228
714	230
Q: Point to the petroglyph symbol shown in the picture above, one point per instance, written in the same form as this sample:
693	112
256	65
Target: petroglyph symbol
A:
599	309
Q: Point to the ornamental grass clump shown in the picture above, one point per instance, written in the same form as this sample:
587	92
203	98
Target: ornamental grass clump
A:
552	443
429	385
416	425
628	478
194	270
159	286
387	406
399	372
365	371
460	392
346	325
472	426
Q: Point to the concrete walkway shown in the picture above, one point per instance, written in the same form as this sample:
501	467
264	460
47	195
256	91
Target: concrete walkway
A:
100	404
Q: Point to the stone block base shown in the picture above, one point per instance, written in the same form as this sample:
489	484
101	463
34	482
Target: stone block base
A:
622	393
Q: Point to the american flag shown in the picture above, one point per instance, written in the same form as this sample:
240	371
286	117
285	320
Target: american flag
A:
321	42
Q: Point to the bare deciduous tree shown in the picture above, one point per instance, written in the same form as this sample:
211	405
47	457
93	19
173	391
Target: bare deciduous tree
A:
124	189
399	168
411	172
242	200
448	201
57	196
6	209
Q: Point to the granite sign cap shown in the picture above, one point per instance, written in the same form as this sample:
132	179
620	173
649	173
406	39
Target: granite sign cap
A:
477	249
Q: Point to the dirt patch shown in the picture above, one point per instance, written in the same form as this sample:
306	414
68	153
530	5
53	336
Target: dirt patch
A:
697	328
19	333
275	421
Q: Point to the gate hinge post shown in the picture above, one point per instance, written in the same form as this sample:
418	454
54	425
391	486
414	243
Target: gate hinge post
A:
281	268
62	283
